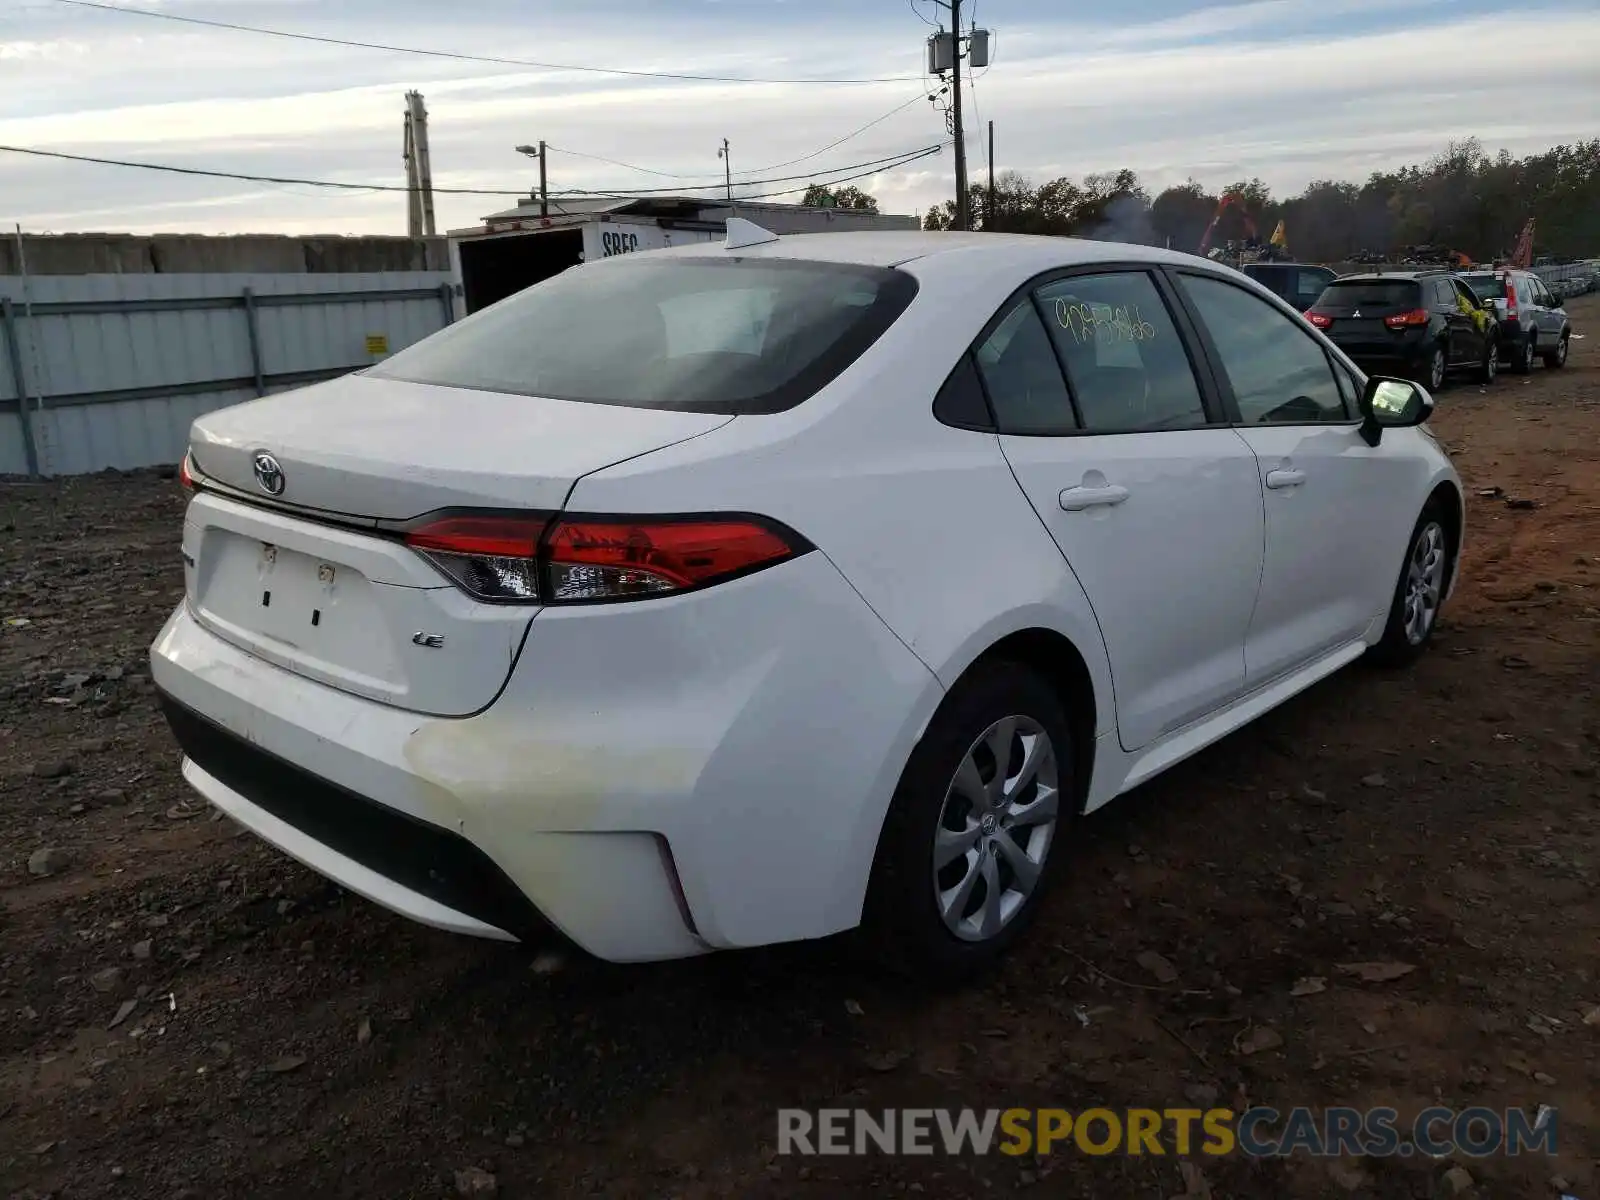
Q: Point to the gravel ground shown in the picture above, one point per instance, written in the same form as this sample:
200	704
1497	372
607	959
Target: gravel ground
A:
186	1013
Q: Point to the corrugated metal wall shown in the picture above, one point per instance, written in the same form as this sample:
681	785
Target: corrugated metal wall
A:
109	370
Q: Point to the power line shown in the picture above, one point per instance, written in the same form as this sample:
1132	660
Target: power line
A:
873	167
236	27
645	193
837	142
896	110
321	183
906	161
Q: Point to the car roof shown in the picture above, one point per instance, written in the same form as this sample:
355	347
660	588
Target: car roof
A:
1381	276
1316	266
894	248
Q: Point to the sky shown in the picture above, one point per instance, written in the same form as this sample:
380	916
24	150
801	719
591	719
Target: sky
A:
1287	90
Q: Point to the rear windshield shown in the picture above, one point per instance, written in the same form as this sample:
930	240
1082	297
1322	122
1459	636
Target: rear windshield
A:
1486	287
1378	293
694	334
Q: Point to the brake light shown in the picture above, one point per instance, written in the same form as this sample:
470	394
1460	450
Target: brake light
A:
531	558
1511	298
1417	316
1320	320
186	474
491	558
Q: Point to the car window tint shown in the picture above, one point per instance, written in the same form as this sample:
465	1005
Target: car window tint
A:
1280	375
1309	286
1124	358
1373	293
1349	390
1022	376
716	335
960	401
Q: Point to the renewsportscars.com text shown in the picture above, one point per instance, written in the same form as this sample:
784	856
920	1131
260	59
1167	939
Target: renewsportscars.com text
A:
1259	1132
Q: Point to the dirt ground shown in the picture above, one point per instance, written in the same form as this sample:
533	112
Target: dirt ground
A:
186	1013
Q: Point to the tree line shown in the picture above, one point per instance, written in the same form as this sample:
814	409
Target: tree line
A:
1462	199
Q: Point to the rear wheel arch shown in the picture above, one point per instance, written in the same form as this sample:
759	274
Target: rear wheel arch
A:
1445	499
1058	662
1035	673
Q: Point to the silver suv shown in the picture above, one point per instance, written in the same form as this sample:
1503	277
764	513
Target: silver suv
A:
1532	320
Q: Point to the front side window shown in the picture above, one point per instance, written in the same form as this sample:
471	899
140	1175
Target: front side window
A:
693	334
1123	355
1022	376
1279	373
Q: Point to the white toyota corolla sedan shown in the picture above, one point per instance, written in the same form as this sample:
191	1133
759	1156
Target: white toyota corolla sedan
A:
738	594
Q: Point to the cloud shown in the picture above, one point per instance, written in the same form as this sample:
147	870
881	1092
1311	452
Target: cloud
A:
1285	89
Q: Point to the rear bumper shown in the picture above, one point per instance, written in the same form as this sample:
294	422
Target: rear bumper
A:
656	780
1386	355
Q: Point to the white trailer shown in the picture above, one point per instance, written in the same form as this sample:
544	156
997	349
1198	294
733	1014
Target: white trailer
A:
530	243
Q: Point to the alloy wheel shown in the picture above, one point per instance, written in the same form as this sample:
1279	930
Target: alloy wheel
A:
995	828
1436	371
1424	582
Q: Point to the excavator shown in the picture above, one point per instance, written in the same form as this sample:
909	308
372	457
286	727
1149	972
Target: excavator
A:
1231	200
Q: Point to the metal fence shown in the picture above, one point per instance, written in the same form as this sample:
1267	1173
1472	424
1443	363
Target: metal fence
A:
101	371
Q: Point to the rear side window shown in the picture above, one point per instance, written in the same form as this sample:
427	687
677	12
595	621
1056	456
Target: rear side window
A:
1370	293
1022	376
1309	285
693	334
1127	365
1487	287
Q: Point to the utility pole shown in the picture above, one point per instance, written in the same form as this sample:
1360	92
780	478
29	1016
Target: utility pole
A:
988	212
541	152
544	183
419	169
963	213
945	52
727	166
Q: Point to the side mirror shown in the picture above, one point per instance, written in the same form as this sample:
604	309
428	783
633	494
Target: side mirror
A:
1389	403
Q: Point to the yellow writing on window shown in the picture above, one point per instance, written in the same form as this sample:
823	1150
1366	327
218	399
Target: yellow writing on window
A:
1086	322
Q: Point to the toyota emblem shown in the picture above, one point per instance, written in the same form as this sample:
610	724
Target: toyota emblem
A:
269	474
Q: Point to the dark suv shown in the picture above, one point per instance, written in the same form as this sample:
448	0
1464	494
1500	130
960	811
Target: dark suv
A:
1532	320
1298	283
1422	323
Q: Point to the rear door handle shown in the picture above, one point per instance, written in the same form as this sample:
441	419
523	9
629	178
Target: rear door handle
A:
1285	477
1076	499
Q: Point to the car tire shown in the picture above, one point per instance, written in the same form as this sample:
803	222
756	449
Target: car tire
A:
1522	355
1489	368
941	872
1557	358
1434	369
1419	593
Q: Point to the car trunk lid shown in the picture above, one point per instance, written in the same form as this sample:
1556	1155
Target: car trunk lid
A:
382	449
1357	310
316	578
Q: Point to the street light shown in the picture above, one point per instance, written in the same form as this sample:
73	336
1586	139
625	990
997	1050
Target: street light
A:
544	190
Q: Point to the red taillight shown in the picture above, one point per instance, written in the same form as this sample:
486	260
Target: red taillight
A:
495	537
1417	316
491	558
601	558
186	474
529	559
1320	320
1511	299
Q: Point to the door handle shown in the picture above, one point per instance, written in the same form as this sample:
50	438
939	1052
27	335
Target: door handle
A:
1285	477
1076	499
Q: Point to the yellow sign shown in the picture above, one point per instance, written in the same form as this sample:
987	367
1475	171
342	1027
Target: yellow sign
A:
377	343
